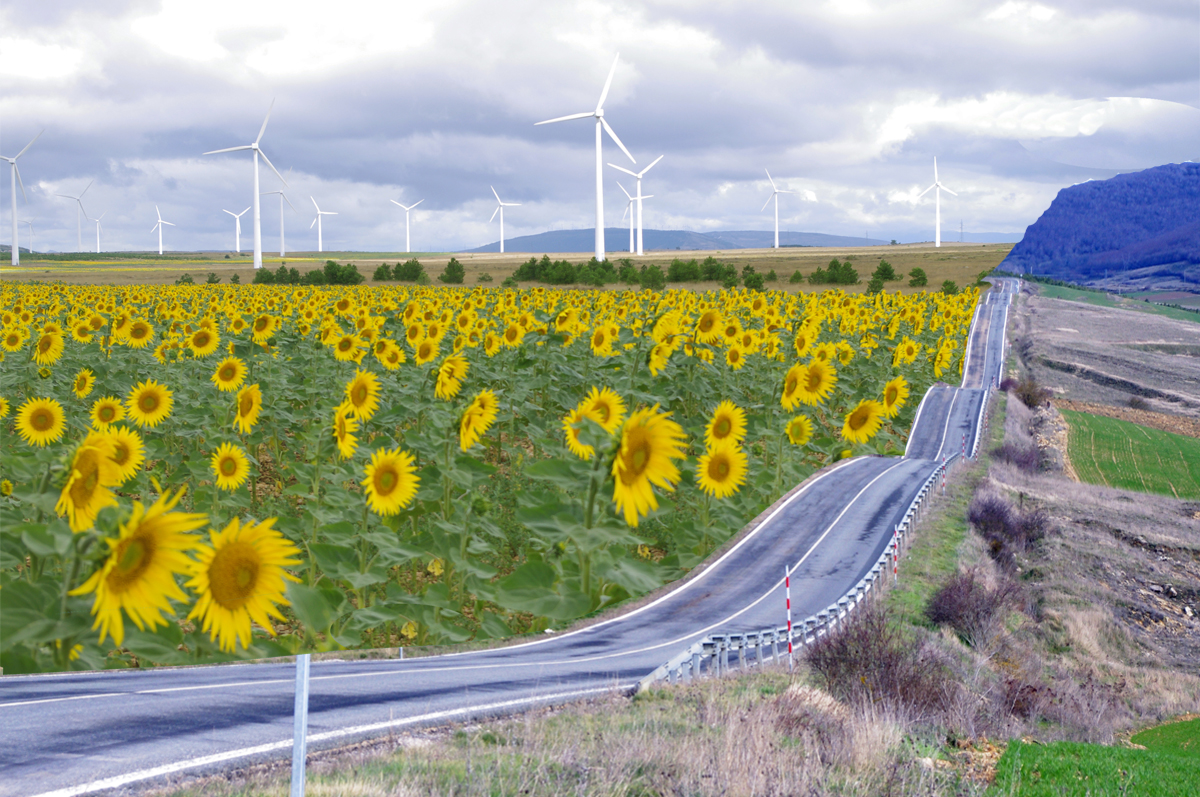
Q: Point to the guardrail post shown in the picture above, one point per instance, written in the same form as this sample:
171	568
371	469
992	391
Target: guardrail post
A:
723	647
775	644
758	648
696	662
300	730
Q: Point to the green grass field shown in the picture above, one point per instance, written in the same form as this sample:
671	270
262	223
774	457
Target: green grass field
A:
1177	738
1069	769
1131	457
1106	300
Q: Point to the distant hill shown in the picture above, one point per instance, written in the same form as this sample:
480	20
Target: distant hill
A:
616	240
1134	230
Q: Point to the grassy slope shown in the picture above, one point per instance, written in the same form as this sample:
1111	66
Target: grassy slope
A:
1106	300
1067	769
1132	457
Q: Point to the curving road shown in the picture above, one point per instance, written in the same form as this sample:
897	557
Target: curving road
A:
81	733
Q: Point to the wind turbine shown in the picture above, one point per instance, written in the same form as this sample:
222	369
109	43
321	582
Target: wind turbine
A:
282	199
102	215
317	220
16	177
775	192
639	196
407	208
237	228
500	206
257	152
80	213
600	122
158	227
937	232
30	223
629	211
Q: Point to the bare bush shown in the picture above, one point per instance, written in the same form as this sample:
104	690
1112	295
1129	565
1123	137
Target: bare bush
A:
969	606
1031	393
1024	457
1006	531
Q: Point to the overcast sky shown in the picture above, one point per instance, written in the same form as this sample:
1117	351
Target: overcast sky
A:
846	102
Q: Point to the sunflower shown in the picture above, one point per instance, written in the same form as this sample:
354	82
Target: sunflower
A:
140	334
82	332
601	342
427	351
791	386
92	471
240	578
362	394
824	352
799	430
650	441
941	362
477	419
13	339
450	375
391	482
105	411
895	393
348	348
128	451
906	352
204	342
40	421
229	374
6	488
721	471
139	573
863	421
605	407
571	424
491	344
3	407
48	348
817	383
230	467
660	355
727	424
249	406
344	427
149	403
262	328
85	380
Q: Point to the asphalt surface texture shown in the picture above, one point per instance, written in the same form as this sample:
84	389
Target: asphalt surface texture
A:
120	732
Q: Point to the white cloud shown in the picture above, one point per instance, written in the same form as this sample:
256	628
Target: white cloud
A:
1018	10
26	58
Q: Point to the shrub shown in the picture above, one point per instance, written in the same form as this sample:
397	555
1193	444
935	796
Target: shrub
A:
1030	393
1025	458
336	274
917	278
314	277
836	273
264	276
383	273
408	271
1008	383
532	269
560	272
875	285
287	276
652	278
885	272
966	604
679	271
1005	531
453	273
796	277
235	280
628	275
484	277
949	287
713	270
510	282
185	279
753	281
1138	403
730	280
869	661
212	278
770	277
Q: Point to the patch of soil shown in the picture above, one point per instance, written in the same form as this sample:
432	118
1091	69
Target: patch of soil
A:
1176	424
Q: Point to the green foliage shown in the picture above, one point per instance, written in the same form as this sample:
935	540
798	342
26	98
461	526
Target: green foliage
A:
336	274
236	279
652	278
1177	738
410	270
796	277
917	278
453	273
836	273
949	287
875	285
1132	457
752	279
314	277
885	273
383	273
185	279
263	276
771	277
212	279
287	276
1071	769
484	277
680	271
509	282
713	270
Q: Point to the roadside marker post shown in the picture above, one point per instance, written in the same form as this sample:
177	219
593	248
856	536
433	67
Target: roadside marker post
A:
895	555
787	588
300	732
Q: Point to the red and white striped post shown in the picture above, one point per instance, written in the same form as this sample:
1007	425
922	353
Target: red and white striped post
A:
964	447
896	554
787	590
943	474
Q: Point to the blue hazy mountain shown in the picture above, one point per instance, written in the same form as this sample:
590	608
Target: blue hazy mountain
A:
1137	229
616	240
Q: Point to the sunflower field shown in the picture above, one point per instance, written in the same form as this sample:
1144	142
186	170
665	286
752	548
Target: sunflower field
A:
205	473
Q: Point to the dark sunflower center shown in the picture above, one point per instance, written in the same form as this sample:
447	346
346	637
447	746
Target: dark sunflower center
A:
81	383
42	420
261	324
361	394
859	418
814	380
137	332
229	466
44	344
723	427
120	453
227	373
233	575
245	405
148	402
386	480
890	395
106	414
718	468
201	340
133	556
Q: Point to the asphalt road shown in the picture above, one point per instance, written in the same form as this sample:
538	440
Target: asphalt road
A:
82	733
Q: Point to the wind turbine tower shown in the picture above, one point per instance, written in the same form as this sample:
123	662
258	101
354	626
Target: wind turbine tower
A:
407	208
937	194
254	147
30	223
97	220
317	221
159	227
500	206
16	178
639	197
601	122
775	192
80	214
237	228
629	212
282	198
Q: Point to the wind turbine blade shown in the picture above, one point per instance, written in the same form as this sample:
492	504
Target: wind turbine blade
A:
227	149
328	212
315	205
230	212
647	196
495	194
394	202
565	118
169	224
948	191
773	188
781	191
27	146
243	213
102	215
511	204
623	191
19	180
314	223
419	201
155	227
926	191
764	207
84	191
157	212
607	84
628	205
935	177
494	212
263	129
651	166
268	160
608	129
623	169
285	199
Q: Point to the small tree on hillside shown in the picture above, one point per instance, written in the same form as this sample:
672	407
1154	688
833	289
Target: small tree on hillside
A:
453	273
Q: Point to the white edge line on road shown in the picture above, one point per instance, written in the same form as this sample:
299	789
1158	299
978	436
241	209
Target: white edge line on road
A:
917	417
217	758
949	417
